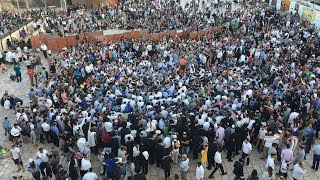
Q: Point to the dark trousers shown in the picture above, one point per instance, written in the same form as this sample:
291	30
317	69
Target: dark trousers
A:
308	146
43	167
18	77
211	163
36	175
244	156
316	160
45	54
216	168
55	139
166	173
41	138
47	134
144	165
238	177
229	154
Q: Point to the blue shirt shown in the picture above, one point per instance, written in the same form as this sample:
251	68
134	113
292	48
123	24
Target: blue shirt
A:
111	163
37	163
6	123
55	129
316	149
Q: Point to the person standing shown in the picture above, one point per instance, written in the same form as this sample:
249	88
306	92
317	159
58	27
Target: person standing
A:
287	154
218	160
92	137
298	171
16	157
184	166
300	155
316	157
246	150
110	164
44	50
284	168
33	134
46	130
33	166
85	165
90	175
268	175
43	155
30	74
166	166
270	161
199	171
6	125
15	133
238	169
204	156
17	70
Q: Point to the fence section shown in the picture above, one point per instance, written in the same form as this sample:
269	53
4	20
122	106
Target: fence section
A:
55	44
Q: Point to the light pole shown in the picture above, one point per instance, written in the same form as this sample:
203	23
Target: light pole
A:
27	4
63	5
18	6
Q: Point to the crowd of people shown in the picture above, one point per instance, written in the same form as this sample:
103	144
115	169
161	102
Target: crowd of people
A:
11	21
141	103
156	16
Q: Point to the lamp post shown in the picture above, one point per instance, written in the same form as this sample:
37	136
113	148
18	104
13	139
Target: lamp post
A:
18	6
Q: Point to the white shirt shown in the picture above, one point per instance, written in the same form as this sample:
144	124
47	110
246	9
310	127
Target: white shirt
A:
136	151
199	173
45	126
298	172
85	164
284	167
90	176
166	142
246	147
6	104
270	162
15	153
269	140
15	131
217	157
108	126
43	156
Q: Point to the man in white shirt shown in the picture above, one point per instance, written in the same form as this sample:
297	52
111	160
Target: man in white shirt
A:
218	160
270	161
90	175
43	155
46	129
44	49
199	171
298	171
16	157
85	165
15	131
284	168
108	125
246	150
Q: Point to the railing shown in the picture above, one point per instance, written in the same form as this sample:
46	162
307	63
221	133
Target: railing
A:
56	43
15	29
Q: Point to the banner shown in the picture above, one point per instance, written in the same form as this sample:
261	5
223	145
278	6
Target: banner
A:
308	15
